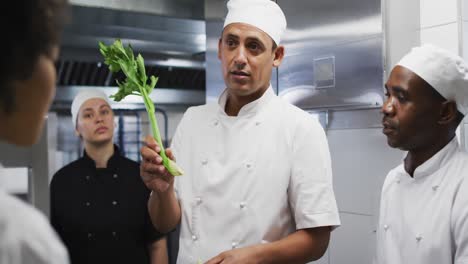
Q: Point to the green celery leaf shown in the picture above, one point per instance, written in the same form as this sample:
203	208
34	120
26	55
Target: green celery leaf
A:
153	80
141	69
120	58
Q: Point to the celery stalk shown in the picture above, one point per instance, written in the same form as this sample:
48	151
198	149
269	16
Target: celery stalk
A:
120	58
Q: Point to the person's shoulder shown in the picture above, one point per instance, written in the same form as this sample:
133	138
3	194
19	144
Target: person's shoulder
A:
200	110
296	124
26	232
462	160
293	114
66	170
392	177
459	175
72	166
130	169
398	169
297	120
129	162
200	113
460	168
18	213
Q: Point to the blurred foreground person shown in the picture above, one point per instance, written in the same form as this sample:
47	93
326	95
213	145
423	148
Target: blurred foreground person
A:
31	30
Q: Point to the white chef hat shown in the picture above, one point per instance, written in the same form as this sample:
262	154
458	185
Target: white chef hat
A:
447	73
263	14
82	97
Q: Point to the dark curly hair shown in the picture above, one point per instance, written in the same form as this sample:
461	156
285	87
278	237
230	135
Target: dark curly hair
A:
30	29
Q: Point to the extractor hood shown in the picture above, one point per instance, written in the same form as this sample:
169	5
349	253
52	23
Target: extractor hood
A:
173	47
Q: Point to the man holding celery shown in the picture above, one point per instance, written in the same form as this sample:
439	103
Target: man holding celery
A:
257	186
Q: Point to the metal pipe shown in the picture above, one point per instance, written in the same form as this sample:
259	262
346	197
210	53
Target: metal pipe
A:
121	133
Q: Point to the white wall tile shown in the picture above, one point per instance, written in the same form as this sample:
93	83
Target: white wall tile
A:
445	36
465	39
14	180
353	242
464	6
437	12
361	159
402	24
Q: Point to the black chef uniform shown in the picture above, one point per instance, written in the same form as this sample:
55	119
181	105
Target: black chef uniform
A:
102	214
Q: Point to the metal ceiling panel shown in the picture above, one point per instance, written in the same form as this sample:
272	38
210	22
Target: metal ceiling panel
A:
191	9
159	36
173	48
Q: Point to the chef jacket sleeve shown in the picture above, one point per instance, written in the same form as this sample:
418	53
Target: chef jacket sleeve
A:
310	191
460	223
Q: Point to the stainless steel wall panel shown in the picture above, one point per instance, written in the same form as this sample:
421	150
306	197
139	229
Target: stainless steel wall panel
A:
358	76
215	9
349	34
214	77
402	30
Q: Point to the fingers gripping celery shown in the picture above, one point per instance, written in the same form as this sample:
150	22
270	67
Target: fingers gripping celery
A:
120	58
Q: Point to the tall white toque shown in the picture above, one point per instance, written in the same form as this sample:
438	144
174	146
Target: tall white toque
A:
266	15
446	72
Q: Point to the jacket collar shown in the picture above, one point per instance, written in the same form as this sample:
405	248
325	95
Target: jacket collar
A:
250	108
437	161
112	163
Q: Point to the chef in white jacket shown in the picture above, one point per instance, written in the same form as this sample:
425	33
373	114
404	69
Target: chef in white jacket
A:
424	203
258	181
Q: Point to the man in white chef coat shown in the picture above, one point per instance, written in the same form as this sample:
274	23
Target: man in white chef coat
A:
258	183
424	204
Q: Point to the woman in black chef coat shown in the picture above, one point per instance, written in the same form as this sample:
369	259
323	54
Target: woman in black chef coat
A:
98	202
